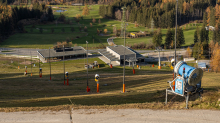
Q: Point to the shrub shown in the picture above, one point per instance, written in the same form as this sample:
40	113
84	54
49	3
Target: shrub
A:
63	30
93	20
78	16
41	30
72	29
135	46
142	45
33	26
99	21
105	31
85	29
61	18
31	30
68	39
52	30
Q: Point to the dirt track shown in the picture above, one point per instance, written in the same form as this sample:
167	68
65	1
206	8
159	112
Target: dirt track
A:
112	116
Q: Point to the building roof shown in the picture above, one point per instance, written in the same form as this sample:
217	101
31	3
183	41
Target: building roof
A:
201	64
108	55
120	50
76	51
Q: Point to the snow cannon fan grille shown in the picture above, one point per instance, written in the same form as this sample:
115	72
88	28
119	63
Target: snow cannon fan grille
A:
195	76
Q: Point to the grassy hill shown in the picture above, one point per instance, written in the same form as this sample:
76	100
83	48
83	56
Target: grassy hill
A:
35	39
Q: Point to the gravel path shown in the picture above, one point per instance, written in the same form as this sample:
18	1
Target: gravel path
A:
112	116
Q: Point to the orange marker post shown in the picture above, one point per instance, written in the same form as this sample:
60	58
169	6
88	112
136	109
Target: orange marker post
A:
88	89
98	87
153	65
123	88
133	71
173	83
97	81
67	79
40	73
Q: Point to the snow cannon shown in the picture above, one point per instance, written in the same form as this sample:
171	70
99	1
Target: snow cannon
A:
187	81
192	75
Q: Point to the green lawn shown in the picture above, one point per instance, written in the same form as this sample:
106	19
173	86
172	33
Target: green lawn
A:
144	89
34	39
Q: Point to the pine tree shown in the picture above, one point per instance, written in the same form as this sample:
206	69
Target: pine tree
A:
180	37
204	19
196	50
85	10
169	38
157	38
195	37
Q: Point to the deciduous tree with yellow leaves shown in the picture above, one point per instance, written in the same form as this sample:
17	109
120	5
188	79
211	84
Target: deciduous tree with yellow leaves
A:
215	61
85	11
188	52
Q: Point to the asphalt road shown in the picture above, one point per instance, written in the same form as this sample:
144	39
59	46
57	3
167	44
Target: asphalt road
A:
113	116
26	52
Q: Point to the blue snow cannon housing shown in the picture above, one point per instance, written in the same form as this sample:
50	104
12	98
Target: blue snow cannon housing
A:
192	76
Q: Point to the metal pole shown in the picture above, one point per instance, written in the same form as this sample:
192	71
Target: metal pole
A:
31	63
170	54
63	66
87	61
49	63
124	50
175	37
209	54
18	59
159	59
166	97
39	62
124	63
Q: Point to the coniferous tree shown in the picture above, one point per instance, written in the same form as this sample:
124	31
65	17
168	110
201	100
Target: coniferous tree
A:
169	38
157	38
180	37
195	37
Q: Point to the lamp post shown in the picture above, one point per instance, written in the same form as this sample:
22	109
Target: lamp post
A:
49	63
63	66
18	59
175	37
158	49
87	89
123	8
170	53
31	63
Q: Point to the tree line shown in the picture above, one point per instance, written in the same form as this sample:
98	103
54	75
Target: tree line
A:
163	12
10	17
